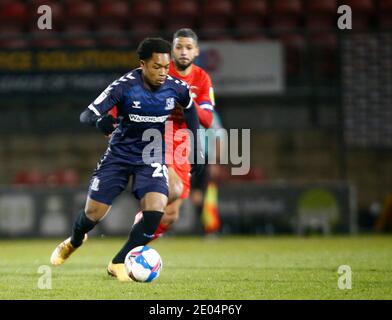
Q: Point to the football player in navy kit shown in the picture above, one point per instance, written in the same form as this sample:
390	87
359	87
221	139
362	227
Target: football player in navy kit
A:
145	97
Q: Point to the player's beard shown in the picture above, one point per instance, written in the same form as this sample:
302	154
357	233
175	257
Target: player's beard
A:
181	66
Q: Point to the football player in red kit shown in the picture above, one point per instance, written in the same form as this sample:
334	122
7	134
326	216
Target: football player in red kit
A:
184	51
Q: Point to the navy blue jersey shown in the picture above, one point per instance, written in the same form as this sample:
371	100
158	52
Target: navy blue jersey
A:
140	109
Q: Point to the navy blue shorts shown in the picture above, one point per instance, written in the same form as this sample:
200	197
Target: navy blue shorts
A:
112	175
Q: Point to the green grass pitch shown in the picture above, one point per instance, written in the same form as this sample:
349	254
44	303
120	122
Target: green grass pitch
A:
245	268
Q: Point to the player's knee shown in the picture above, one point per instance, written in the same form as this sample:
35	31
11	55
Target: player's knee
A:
94	213
175	190
171	215
156	205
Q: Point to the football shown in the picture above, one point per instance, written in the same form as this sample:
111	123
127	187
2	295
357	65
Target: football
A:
143	264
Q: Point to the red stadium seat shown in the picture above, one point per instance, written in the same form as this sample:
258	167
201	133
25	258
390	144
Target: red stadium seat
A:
385	5
363	12
251	17
187	9
115	42
284	22
321	15
325	40
218	8
293	41
63	178
12	38
10	29
385	20
80	42
322	7
294	47
363	6
78	27
114	10
324	49
109	26
286	15
81	11
216	18
141	29
181	14
292	7
146	9
172	25
146	19
321	22
111	34
14	11
2	2
385	14
78	35
45	39
248	8
248	28
30	178
214	28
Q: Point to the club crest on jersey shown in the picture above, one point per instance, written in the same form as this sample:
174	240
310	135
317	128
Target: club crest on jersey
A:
95	184
136	105
169	103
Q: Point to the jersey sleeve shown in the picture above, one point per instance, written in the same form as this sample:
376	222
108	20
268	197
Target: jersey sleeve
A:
205	98
111	96
184	96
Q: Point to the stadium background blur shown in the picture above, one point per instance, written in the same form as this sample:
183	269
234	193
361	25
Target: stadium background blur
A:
324	130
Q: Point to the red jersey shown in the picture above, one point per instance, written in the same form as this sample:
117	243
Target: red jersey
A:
203	96
202	93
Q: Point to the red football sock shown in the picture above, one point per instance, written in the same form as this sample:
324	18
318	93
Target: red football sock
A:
162	228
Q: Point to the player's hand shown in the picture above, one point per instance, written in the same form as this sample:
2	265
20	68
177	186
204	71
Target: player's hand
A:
107	124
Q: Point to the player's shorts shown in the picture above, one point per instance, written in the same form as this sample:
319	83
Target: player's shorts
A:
112	175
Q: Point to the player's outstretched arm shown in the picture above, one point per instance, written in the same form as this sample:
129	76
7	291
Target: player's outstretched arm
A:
192	122
205	116
105	123
96	113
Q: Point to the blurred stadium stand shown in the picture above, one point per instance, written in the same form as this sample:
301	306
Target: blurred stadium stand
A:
301	138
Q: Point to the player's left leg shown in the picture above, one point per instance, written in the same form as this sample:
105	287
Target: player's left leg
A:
153	204
170	216
179	184
141	233
152	189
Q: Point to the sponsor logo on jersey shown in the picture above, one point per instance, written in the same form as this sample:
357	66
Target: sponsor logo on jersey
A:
95	184
169	103
138	118
136	105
